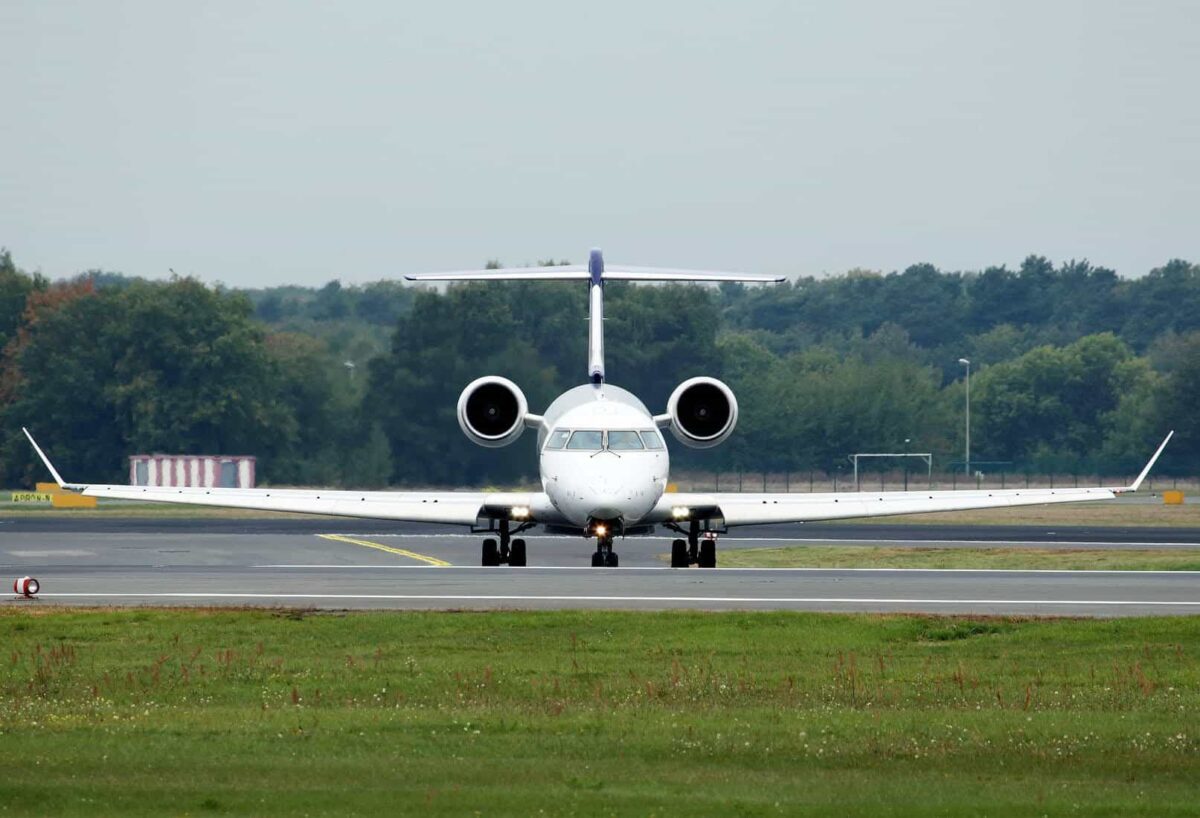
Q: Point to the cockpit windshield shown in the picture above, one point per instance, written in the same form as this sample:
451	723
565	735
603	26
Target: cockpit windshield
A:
624	441
653	441
618	440
586	441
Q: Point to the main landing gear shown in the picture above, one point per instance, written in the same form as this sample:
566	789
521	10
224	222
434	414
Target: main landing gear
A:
700	549
508	550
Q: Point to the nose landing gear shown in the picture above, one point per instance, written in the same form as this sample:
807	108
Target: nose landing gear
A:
605	557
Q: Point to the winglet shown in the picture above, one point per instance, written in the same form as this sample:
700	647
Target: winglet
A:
53	471
1136	483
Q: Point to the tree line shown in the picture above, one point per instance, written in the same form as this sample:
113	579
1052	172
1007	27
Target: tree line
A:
1073	369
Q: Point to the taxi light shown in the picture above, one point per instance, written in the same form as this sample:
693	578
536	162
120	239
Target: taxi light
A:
601	529
681	512
520	512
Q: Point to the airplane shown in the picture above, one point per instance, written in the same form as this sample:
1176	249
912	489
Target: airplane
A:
602	459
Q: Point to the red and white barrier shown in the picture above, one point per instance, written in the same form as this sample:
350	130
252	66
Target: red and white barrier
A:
26	587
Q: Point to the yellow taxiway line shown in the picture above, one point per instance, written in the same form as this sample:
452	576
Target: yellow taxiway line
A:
380	546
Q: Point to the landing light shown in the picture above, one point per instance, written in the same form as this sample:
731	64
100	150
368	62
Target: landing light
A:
601	530
519	512
681	512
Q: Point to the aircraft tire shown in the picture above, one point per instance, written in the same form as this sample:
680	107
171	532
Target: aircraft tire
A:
679	554
708	554
611	560
597	560
516	553
491	552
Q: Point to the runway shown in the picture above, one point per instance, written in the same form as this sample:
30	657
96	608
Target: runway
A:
349	564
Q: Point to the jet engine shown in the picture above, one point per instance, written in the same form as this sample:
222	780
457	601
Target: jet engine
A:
703	412
492	410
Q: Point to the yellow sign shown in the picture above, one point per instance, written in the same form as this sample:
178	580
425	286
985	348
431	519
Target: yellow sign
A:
1173	498
30	497
72	501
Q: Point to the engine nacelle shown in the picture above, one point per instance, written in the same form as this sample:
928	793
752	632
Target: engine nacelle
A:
703	412
492	410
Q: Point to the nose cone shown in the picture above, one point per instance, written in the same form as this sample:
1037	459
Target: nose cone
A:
607	496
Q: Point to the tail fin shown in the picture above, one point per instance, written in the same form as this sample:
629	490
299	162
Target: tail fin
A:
595	274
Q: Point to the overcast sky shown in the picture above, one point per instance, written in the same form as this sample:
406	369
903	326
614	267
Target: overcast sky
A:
260	143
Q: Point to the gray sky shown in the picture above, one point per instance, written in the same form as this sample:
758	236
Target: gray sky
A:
263	143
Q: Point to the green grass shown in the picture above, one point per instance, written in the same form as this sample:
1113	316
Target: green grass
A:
1105	513
278	713
841	556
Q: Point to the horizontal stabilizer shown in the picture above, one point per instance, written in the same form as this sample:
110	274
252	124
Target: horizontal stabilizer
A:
621	273
579	272
567	272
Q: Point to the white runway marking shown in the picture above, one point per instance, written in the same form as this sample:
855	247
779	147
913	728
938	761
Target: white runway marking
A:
51	552
700	572
560	598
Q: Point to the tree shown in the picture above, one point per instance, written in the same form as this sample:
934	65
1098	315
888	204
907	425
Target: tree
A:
1052	401
174	367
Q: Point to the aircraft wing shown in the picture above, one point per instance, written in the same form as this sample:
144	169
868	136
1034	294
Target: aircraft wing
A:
459	508
757	509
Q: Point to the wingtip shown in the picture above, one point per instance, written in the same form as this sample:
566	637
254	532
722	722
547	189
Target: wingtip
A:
45	460
1146	471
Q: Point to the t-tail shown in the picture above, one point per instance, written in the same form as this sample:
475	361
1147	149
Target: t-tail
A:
595	274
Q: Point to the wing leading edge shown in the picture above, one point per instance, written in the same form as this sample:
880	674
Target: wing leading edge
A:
456	508
759	509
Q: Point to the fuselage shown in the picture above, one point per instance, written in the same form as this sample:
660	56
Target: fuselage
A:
601	456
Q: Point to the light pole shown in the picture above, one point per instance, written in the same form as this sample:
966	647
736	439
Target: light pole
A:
967	458
907	440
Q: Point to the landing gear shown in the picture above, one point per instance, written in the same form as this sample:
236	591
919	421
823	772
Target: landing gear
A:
604	556
679	554
491	553
508	550
700	548
516	553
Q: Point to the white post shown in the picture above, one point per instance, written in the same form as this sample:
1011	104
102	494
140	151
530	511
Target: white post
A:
967	457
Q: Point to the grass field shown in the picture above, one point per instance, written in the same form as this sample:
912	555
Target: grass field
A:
590	713
1081	559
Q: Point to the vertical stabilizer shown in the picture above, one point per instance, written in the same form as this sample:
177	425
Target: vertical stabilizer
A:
596	316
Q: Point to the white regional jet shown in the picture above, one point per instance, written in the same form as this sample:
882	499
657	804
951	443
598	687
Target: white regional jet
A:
603	462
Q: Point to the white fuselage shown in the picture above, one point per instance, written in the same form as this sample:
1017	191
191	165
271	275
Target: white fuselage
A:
601	456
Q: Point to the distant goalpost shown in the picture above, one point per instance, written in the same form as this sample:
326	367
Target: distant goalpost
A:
926	456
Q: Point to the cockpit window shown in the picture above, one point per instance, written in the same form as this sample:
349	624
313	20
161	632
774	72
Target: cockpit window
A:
653	441
624	441
558	439
587	441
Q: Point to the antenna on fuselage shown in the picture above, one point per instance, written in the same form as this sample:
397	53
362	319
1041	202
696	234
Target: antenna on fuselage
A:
595	275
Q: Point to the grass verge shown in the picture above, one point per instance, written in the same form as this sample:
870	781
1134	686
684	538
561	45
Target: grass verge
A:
1083	559
279	712
1148	515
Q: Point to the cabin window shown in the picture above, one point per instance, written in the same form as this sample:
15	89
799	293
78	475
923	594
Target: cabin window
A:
586	441
558	439
653	441
624	441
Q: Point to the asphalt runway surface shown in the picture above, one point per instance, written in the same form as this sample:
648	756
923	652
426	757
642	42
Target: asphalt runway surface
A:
343	564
